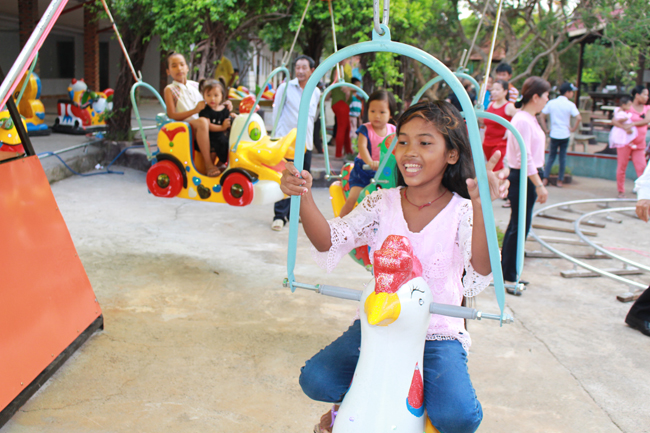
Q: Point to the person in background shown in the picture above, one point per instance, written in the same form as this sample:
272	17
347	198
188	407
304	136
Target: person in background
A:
504	72
487	99
636	149
318	137
639	315
184	102
381	106
341	109
303	68
534	98
235	78
469	88
561	110
495	134
355	109
622	136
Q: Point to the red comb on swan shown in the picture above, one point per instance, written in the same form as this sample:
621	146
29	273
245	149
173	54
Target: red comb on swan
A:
395	264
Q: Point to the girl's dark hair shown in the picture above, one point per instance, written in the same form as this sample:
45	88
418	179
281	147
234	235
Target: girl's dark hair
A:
532	86
384	95
448	121
624	100
172	54
207	84
504	85
637	90
311	62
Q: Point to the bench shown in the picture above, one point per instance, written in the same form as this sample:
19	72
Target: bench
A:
582	139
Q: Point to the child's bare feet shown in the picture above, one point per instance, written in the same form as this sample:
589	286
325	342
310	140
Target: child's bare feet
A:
213	171
327	420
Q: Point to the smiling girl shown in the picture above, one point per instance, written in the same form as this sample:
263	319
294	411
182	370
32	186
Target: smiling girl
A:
184	102
438	207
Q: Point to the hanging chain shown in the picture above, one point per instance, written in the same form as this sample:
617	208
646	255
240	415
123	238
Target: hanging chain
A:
384	21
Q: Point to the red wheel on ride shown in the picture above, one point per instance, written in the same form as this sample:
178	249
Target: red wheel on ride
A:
237	190
164	179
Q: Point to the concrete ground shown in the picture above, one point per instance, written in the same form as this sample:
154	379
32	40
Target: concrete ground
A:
200	335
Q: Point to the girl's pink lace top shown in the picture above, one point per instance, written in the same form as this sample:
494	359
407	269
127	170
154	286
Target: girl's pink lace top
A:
444	247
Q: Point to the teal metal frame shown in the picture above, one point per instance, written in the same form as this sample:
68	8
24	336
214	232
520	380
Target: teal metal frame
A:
326	92
383	43
523	186
137	113
433	81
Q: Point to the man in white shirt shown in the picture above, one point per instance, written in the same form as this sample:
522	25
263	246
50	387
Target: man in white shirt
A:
561	110
639	315
303	68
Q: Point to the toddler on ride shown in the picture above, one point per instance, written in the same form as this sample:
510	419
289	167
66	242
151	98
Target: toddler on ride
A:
184	102
381	106
436	206
219	116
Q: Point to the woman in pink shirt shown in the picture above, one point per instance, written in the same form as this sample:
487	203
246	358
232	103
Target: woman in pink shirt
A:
636	148
534	96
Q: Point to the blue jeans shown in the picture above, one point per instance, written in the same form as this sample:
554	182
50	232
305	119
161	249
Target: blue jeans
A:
562	145
449	396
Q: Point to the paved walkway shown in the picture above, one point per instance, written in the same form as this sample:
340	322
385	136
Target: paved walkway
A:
201	336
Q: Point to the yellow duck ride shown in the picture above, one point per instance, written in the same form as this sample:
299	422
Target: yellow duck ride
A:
10	144
30	106
254	168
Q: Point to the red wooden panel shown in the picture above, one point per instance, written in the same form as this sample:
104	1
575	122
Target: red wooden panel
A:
46	299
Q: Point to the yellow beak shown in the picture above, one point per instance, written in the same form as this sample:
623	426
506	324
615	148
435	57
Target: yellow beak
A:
382	308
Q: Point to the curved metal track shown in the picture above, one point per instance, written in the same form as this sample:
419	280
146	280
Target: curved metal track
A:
587	242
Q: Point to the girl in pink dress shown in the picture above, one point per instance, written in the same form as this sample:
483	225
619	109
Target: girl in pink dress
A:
636	148
619	137
438	208
381	106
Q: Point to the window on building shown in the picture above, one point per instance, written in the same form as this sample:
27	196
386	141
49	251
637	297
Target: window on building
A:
103	65
65	58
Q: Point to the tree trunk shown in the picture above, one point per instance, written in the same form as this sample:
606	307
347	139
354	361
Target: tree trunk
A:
313	43
119	121
639	76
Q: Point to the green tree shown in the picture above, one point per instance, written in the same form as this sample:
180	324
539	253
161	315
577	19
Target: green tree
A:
203	28
136	21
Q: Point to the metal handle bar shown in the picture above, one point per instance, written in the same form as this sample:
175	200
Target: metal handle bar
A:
137	113
433	81
434	308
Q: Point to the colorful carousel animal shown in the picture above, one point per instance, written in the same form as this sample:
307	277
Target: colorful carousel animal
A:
10	144
31	107
340	189
387	391
254	165
85	111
